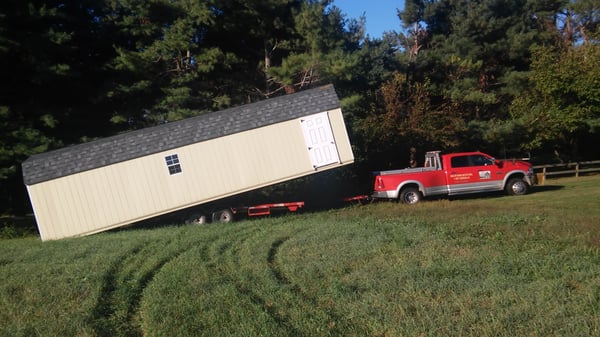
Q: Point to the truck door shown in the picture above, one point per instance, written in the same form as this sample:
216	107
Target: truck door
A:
473	173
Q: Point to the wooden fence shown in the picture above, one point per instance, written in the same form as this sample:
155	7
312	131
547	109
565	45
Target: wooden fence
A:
544	171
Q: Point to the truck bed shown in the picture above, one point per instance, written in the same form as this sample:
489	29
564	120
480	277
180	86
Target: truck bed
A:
406	170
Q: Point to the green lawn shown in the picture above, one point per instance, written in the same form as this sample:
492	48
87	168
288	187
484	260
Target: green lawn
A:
477	266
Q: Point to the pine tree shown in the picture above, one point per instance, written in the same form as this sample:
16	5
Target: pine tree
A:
321	52
49	85
163	69
475	55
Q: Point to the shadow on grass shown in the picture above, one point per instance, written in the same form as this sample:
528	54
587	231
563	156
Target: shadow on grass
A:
487	195
546	188
12	227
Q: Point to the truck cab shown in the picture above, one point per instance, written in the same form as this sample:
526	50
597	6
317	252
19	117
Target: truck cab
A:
475	172
454	174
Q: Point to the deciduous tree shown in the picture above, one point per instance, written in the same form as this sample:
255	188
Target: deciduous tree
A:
563	103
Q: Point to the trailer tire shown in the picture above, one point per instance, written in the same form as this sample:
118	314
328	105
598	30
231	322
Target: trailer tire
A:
410	195
196	219
223	216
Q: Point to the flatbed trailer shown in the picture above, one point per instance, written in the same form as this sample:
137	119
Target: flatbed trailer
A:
231	213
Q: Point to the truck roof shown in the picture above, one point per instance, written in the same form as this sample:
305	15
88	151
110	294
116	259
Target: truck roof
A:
463	153
134	144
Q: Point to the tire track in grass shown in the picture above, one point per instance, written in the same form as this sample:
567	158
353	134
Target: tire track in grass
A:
100	319
118	303
279	317
278	313
330	312
281	314
277	273
284	281
282	320
225	257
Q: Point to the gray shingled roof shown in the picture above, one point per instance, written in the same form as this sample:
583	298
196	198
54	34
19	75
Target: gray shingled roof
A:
139	143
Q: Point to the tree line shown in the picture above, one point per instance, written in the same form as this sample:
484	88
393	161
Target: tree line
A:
504	76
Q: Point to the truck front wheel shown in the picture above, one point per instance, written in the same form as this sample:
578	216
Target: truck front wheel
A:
410	196
516	186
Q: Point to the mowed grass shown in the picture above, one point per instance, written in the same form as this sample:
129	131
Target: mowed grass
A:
476	266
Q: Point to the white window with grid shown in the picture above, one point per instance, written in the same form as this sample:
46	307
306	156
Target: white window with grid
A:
173	164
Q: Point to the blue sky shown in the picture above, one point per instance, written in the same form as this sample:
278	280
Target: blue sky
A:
381	14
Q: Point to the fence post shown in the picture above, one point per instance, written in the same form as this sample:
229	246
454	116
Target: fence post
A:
544	176
577	170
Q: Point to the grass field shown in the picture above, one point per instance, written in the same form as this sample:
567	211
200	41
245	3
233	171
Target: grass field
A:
477	266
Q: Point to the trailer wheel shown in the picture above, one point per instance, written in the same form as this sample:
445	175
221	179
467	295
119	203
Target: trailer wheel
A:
410	196
224	216
196	219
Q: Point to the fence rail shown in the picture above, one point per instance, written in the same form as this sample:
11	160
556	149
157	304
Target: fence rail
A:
544	171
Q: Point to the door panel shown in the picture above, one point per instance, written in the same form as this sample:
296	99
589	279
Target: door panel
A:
319	140
474	173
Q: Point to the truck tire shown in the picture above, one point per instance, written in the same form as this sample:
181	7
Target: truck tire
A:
516	186
223	216
410	195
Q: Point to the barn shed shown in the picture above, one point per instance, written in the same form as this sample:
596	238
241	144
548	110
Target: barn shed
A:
115	181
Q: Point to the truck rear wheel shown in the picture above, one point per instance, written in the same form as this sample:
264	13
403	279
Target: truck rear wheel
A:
410	196
516	186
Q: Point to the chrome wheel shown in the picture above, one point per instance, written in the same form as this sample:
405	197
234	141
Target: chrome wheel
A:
516	186
410	196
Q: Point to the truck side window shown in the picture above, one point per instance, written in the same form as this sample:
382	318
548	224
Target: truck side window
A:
460	161
473	160
479	160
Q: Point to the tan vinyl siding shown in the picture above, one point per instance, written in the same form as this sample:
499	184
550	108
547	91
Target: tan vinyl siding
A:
118	194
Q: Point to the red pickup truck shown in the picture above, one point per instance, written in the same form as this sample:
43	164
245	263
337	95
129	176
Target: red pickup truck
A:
454	174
